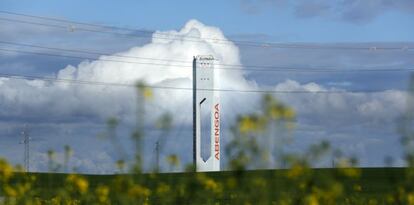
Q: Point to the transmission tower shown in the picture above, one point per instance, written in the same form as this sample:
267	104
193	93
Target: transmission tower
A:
157	156
26	142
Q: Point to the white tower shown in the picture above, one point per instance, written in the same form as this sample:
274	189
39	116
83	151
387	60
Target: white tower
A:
205	100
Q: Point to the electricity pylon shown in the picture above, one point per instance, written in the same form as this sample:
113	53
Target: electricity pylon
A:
26	142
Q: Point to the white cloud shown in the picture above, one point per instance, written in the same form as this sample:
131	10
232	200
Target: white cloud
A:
343	107
64	99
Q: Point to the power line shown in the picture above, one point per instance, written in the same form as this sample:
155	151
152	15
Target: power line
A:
73	22
188	38
85	82
91	52
226	66
89	58
72	29
99	26
170	66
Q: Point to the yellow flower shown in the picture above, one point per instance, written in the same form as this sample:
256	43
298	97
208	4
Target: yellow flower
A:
276	112
138	191
163	188
22	188
173	160
6	171
251	124
102	193
410	199
347	170
312	200
78	182
9	191
330	194
147	93
246	124
289	113
210	184
351	172
296	171
82	185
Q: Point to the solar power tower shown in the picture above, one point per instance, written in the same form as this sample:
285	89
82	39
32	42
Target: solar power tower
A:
206	115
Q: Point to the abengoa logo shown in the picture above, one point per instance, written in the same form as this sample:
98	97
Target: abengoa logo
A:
217	131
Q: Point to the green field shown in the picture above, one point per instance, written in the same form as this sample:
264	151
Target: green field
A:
374	183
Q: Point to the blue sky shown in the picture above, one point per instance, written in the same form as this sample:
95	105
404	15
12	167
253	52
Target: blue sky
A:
277	19
363	124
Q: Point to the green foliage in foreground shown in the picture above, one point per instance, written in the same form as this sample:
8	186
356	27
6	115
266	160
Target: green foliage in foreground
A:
375	182
292	186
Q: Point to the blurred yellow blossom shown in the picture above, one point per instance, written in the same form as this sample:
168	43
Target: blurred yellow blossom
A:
163	188
410	199
6	170
173	160
311	200
138	191
79	183
289	113
9	191
296	171
251	124
144	90
102	193
147	93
